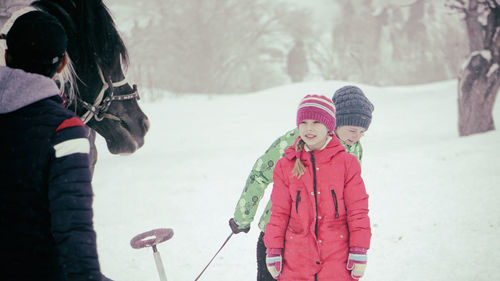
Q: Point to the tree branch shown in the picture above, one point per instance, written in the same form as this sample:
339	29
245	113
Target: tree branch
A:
454	7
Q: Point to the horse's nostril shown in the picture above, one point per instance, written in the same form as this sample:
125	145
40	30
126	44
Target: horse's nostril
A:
124	125
145	124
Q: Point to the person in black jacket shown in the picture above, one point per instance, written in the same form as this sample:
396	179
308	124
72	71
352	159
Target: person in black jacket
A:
46	213
296	66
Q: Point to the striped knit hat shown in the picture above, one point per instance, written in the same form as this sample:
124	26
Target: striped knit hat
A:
319	108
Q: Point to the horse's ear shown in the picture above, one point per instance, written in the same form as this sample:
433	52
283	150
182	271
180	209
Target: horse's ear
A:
63	63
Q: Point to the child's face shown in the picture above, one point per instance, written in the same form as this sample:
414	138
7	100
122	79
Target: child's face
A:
313	133
350	134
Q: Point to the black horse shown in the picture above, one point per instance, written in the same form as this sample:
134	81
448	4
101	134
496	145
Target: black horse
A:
102	97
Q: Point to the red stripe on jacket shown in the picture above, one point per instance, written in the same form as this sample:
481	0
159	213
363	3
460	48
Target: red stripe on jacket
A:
71	122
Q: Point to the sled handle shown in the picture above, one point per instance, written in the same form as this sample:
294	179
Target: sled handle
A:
151	238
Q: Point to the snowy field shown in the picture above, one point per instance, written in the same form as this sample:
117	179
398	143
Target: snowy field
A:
434	197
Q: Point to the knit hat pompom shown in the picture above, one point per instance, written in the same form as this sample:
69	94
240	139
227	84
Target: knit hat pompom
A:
318	108
353	107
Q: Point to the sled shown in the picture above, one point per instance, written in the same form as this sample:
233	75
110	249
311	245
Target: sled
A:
151	239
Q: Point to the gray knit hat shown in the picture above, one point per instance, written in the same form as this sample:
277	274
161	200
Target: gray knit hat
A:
353	108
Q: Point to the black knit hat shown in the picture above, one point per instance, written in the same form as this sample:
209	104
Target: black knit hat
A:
353	108
37	37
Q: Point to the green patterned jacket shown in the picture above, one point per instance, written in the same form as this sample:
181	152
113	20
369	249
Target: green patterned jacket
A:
262	175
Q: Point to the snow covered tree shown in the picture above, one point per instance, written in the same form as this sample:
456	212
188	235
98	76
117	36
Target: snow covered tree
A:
392	42
356	40
479	79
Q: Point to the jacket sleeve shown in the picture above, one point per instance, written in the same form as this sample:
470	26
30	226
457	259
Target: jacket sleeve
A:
274	236
356	202
260	177
70	202
360	154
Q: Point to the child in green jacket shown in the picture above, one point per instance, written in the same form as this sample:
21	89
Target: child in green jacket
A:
353	115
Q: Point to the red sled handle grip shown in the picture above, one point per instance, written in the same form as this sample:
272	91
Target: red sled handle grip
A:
152	237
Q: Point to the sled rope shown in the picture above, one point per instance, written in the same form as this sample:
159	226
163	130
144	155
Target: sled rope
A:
225	242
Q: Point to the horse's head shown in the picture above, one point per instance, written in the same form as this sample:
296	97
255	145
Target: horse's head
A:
104	99
113	110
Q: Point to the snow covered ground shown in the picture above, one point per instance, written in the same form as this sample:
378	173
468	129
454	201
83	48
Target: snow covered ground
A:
434	196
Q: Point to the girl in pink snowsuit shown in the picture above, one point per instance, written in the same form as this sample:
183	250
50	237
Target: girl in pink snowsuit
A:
319	229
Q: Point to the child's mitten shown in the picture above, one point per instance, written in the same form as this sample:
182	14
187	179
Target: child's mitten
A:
357	262
274	261
236	228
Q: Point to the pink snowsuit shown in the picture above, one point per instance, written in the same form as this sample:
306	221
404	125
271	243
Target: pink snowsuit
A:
317	217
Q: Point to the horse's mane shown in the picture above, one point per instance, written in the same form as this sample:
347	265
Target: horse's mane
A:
94	39
98	34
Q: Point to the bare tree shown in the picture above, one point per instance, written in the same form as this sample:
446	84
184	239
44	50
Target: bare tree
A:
211	46
324	58
479	80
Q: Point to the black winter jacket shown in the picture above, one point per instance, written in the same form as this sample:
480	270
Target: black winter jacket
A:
45	184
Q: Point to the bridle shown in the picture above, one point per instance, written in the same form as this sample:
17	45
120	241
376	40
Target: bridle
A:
99	110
